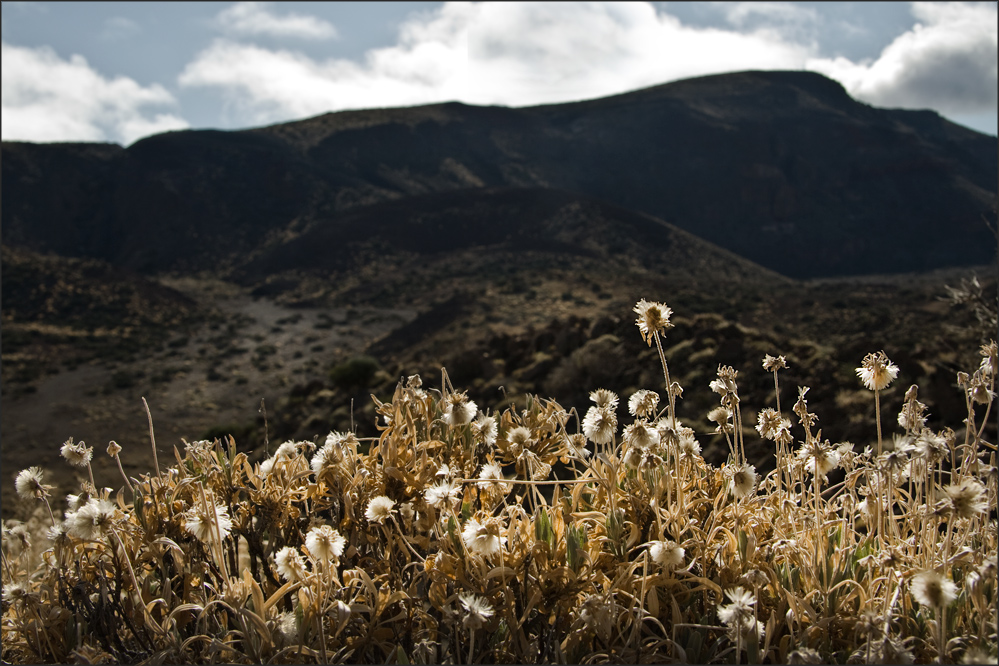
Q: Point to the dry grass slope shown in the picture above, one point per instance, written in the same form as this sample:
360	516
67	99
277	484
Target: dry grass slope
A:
450	538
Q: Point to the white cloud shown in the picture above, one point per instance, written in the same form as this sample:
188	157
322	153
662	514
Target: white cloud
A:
256	19
947	61
490	53
46	98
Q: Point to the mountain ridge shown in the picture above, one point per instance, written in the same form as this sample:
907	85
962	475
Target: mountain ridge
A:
783	168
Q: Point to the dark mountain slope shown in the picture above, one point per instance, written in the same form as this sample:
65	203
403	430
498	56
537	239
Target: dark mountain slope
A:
422	249
783	168
490	218
58	197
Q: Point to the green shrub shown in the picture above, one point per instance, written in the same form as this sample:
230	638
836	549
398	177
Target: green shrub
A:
356	372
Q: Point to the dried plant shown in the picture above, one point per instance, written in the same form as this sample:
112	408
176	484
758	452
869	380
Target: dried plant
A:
463	536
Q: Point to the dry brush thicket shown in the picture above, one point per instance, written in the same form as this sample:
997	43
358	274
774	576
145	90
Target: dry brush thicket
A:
533	536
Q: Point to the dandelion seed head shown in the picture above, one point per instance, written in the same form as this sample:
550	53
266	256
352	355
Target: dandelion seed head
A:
641	435
58	532
324	457
643	403
738	614
458	410
666	554
600	425
650	460
767	423
519	436
477	610
93	519
690	447
967	498
877	372
930	588
14	592
931	446
442	493
290	564
287	626
721	416
819	457
74	502
742	481
17	538
598	614
633	458
379	509
604	399
485	429
199	522
491	476
78	455
325	543
725	384
483	538
805	655
671	431
288	450
773	364
576	445
653	319
29	484
978	655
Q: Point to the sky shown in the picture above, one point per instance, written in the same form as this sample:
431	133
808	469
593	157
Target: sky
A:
120	71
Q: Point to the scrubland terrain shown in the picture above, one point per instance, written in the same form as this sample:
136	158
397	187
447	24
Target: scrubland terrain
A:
702	373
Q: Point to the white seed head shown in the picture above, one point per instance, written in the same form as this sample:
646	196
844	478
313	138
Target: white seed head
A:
325	543
477	610
967	498
653	319
666	554
742	480
290	565
459	410
482	538
643	403
773	364
933	589
379	509
641	435
877	372
600	425
78	455
29	484
199	523
604	399
442	493
93	519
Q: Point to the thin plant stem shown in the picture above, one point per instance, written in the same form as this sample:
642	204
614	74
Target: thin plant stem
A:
122	471
669	385
877	415
777	391
152	440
